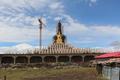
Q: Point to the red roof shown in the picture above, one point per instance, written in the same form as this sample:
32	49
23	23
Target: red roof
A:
109	55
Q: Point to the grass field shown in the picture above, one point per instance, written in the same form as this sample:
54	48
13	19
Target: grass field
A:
64	73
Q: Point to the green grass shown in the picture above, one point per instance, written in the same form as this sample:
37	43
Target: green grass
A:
75	73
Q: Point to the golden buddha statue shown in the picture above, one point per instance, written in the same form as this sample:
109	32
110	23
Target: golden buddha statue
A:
59	39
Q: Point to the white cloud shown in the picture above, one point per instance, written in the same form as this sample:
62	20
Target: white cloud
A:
55	5
73	27
18	22
83	41
16	34
23	47
24	11
19	49
107	30
24	3
21	6
58	18
93	1
115	44
13	34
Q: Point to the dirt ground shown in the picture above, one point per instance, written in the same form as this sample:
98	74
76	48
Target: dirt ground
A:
69	76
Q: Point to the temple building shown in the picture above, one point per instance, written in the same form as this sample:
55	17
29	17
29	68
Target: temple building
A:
58	51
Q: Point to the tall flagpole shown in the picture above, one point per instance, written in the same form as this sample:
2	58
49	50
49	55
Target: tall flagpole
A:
40	27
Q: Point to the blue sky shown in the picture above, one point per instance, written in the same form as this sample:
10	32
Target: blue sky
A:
87	23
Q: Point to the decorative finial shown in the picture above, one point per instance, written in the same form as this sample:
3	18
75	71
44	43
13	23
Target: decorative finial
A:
41	21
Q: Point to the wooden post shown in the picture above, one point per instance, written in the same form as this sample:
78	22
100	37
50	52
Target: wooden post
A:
5	78
14	60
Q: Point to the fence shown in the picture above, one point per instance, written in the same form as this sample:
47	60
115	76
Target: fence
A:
111	73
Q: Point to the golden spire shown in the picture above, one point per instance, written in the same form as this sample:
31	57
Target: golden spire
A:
59	38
